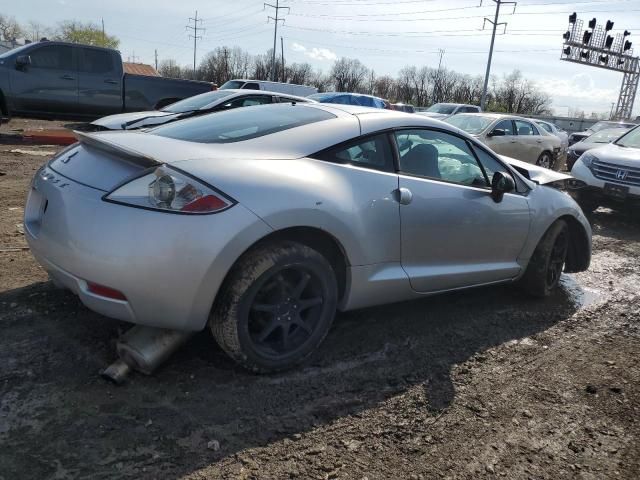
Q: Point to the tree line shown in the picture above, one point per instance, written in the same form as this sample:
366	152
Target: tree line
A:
419	86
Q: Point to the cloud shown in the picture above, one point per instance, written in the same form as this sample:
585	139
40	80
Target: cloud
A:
578	87
315	53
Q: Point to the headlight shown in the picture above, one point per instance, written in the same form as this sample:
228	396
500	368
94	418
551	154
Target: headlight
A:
169	190
587	158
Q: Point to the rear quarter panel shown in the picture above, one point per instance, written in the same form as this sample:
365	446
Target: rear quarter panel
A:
144	92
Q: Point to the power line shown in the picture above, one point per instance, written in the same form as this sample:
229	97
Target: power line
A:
195	28
275	19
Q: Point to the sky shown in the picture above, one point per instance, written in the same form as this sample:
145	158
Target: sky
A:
385	35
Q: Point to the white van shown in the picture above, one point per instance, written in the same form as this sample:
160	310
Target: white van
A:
290	88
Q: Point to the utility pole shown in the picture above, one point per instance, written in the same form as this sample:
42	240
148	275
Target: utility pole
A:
103	35
282	53
613	104
495	23
156	56
195	29
132	57
275	19
441	52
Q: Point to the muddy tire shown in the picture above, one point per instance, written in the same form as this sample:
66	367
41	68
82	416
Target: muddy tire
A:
275	307
547	262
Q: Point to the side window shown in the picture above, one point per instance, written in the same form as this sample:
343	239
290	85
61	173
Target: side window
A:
546	127
96	61
525	128
291	100
438	155
468	110
506	126
56	57
251	86
490	164
371	152
248	101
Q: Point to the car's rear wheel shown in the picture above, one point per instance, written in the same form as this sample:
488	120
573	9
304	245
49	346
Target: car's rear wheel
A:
276	307
547	262
545	160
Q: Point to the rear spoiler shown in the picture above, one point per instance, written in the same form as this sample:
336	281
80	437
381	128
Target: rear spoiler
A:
95	142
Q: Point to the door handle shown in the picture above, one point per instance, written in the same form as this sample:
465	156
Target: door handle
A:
404	196
67	77
112	82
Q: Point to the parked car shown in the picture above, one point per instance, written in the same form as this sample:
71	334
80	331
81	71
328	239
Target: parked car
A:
343	98
444	110
190	107
512	136
552	129
280	87
596	127
58	79
595	140
402	107
609	175
227	220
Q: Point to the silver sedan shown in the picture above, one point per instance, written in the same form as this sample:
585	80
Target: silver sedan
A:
262	222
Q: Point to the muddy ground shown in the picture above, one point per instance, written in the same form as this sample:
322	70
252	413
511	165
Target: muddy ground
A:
478	384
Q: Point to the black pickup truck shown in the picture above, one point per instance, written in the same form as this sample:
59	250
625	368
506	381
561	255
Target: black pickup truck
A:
67	80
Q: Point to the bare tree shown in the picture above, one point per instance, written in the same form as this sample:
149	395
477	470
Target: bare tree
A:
10	29
170	68
348	75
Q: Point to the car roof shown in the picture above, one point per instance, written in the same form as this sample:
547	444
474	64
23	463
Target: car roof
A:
496	116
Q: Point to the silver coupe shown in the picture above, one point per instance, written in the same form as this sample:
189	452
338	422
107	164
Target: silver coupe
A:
262	222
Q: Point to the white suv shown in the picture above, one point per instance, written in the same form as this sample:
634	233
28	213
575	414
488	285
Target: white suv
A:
608	175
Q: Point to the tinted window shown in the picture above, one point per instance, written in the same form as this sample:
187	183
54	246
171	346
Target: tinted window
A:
96	61
249	101
506	126
58	57
232	84
525	128
468	110
196	102
251	86
242	123
438	155
372	152
290	99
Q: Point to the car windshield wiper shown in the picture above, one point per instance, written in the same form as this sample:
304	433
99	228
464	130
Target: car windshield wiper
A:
125	125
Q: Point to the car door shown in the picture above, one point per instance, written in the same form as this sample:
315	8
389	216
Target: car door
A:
502	139
453	234
100	82
530	143
49	83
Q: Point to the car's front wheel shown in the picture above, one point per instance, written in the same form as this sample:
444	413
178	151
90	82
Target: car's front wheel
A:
545	160
547	262
275	307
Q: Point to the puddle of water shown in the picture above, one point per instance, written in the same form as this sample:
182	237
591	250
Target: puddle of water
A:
581	296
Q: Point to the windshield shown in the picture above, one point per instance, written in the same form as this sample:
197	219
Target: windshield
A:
194	103
472	124
546	126
602	125
442	108
631	139
232	84
242	123
321	97
607	135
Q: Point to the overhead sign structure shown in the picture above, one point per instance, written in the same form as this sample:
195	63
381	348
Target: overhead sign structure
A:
597	47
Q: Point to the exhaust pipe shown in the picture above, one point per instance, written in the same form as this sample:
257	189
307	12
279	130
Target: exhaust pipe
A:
144	349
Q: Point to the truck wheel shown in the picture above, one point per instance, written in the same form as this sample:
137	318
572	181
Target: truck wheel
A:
545	160
275	307
545	266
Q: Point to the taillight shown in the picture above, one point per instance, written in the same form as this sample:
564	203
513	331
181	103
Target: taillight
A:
106	292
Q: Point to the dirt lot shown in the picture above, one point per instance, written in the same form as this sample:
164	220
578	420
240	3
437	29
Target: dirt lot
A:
477	384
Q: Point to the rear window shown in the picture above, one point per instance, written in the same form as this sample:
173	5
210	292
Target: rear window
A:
242	124
234	84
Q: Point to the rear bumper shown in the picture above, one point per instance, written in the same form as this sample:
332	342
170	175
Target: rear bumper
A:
169	267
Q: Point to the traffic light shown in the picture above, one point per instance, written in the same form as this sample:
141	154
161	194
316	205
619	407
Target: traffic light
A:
586	37
627	46
584	54
573	17
592	23
566	35
626	33
608	42
567	51
604	59
609	25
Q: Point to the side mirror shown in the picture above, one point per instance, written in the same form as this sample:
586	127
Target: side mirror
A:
501	183
496	133
22	61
